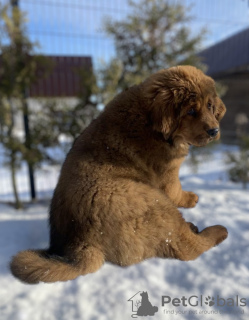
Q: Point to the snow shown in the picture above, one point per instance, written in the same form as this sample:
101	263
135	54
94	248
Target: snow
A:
223	271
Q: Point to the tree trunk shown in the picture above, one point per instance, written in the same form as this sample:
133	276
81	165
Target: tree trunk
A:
18	204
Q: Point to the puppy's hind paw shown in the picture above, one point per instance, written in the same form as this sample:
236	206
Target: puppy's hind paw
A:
215	234
223	234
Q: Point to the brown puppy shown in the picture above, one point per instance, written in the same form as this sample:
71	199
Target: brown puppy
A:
118	192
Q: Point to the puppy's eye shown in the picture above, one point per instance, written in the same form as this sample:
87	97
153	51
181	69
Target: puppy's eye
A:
210	107
192	112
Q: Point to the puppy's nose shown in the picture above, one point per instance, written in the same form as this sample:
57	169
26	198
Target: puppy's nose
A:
213	132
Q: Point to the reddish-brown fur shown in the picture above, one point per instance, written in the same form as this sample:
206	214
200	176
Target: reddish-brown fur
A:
117	196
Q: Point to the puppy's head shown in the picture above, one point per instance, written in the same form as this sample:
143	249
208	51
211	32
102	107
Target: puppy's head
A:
184	106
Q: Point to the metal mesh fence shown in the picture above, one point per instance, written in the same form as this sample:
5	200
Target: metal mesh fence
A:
74	28
64	27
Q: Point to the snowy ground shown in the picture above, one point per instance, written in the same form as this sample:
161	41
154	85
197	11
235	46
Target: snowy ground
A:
223	272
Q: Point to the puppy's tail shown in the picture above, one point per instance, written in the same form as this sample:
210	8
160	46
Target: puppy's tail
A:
34	266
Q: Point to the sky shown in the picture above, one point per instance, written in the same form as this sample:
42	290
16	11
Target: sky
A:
75	27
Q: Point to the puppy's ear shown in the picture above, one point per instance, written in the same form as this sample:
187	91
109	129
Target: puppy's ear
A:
166	92
163	115
166	108
220	109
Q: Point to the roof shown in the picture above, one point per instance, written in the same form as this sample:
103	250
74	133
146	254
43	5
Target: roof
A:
228	55
64	79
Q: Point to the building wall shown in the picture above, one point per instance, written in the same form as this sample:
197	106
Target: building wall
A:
236	99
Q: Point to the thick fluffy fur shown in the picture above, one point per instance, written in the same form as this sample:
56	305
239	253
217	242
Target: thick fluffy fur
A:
117	196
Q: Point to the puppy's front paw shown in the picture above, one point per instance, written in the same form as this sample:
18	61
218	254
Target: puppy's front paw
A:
189	199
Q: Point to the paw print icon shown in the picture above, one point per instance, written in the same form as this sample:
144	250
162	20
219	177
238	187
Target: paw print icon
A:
209	301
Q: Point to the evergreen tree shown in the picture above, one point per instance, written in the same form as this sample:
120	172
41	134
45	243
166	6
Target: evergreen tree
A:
239	163
154	36
17	71
19	67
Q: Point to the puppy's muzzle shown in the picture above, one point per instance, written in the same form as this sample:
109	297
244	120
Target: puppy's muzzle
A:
213	132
